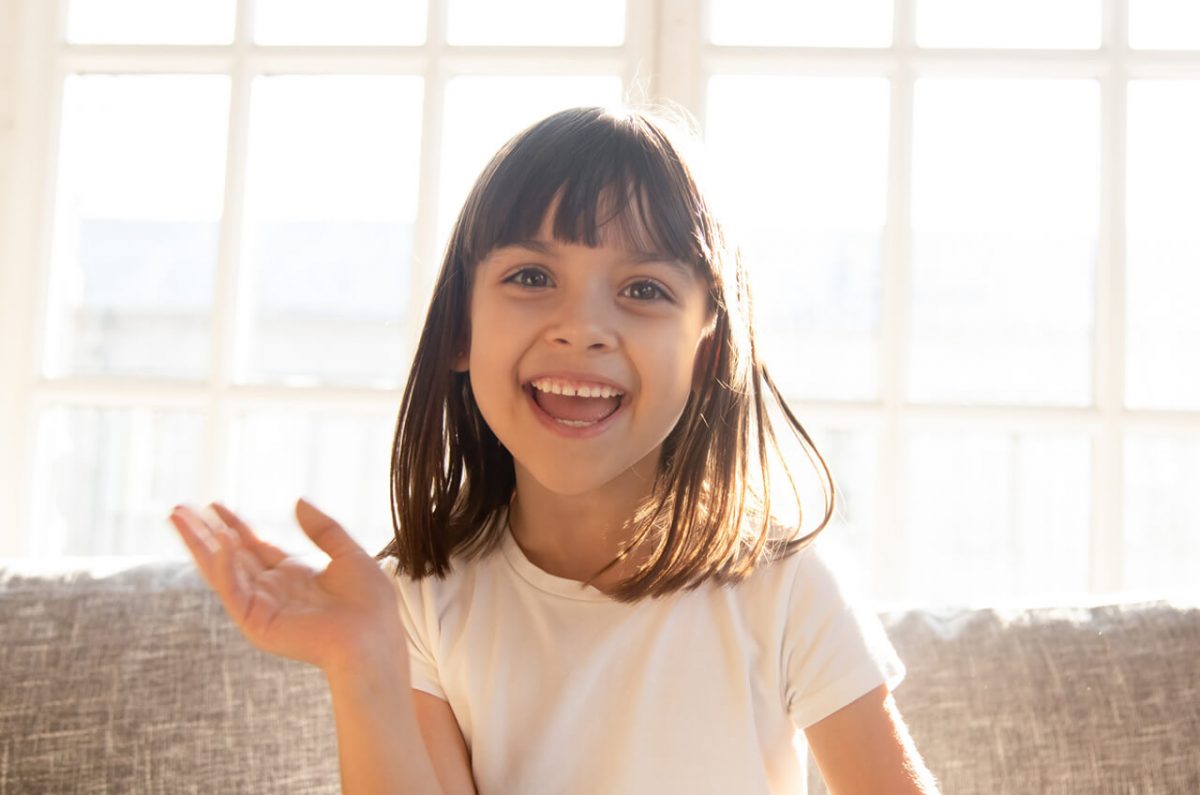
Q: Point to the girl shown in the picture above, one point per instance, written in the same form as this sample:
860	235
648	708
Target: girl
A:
586	591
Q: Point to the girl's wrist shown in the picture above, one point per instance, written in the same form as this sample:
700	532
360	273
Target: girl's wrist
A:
382	657
372	685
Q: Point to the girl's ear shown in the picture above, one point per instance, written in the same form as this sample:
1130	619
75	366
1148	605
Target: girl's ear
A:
462	361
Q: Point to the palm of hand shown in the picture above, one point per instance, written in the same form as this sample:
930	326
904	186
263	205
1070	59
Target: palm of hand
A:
293	608
284	606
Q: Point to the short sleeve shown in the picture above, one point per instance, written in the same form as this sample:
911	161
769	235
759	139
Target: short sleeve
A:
835	649
412	607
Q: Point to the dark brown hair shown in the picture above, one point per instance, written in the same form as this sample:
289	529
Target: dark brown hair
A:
709	514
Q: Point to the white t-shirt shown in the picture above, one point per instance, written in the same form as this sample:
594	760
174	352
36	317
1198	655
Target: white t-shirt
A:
560	689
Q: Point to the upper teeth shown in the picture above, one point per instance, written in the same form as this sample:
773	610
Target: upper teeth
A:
557	387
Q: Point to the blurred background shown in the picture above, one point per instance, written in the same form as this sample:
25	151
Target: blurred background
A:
971	224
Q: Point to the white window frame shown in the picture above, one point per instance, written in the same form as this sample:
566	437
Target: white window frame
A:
892	416
665	56
44	61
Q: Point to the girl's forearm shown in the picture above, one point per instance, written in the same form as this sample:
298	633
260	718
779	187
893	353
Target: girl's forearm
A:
380	748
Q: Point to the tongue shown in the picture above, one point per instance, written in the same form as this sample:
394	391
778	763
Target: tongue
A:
579	409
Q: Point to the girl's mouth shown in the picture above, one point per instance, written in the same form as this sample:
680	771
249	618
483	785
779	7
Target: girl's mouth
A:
574	406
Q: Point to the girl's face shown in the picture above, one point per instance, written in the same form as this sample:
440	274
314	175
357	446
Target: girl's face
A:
615	331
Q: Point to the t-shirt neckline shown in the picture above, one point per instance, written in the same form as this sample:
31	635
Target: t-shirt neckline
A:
542	579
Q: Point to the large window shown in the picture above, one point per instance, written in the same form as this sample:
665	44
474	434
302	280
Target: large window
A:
970	227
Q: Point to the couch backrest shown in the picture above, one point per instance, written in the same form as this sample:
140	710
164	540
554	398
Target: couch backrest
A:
138	682
1064	700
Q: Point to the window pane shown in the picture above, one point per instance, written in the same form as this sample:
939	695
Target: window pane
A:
1018	24
508	104
337	462
1005	215
330	202
536	22
1162	272
802	164
996	516
150	21
853	458
801	23
1164	24
1162	513
852	453
105	480
140	195
346	22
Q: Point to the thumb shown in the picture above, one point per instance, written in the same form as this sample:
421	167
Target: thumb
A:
324	531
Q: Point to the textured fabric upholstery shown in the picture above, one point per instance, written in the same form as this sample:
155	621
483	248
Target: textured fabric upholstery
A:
138	682
135	681
1067	700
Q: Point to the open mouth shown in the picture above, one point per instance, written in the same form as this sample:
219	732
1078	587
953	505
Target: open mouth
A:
574	404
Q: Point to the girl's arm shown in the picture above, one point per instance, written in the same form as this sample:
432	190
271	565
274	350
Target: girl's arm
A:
445	743
380	749
865	748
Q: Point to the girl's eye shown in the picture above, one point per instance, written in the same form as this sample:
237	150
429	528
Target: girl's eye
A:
647	290
529	277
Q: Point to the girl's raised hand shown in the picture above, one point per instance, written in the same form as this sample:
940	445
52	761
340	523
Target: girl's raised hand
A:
331	618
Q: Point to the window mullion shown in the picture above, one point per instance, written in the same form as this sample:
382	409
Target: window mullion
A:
894	322
894	329
642	48
678	65
230	304
1107	497
426	257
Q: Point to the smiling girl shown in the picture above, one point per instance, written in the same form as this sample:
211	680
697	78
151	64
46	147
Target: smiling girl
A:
587	591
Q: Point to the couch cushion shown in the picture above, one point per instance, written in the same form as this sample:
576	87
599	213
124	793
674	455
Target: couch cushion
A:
135	680
1066	700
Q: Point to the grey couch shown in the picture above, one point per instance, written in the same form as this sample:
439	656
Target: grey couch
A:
133	680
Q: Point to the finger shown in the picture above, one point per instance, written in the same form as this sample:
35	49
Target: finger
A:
230	581
324	531
198	540
267	554
209	531
199	527
246	559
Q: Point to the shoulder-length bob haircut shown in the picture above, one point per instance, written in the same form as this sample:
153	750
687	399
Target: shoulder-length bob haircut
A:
709	513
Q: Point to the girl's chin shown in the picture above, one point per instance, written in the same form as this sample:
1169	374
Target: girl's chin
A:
574	479
568	484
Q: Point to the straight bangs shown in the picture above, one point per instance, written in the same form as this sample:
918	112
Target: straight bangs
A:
610	180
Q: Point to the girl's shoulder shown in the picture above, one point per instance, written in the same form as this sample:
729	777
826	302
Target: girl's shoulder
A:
437	591
461	568
802	575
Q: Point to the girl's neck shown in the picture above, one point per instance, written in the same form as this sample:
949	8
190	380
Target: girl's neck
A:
575	535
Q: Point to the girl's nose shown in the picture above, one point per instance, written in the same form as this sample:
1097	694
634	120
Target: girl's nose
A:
585	324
